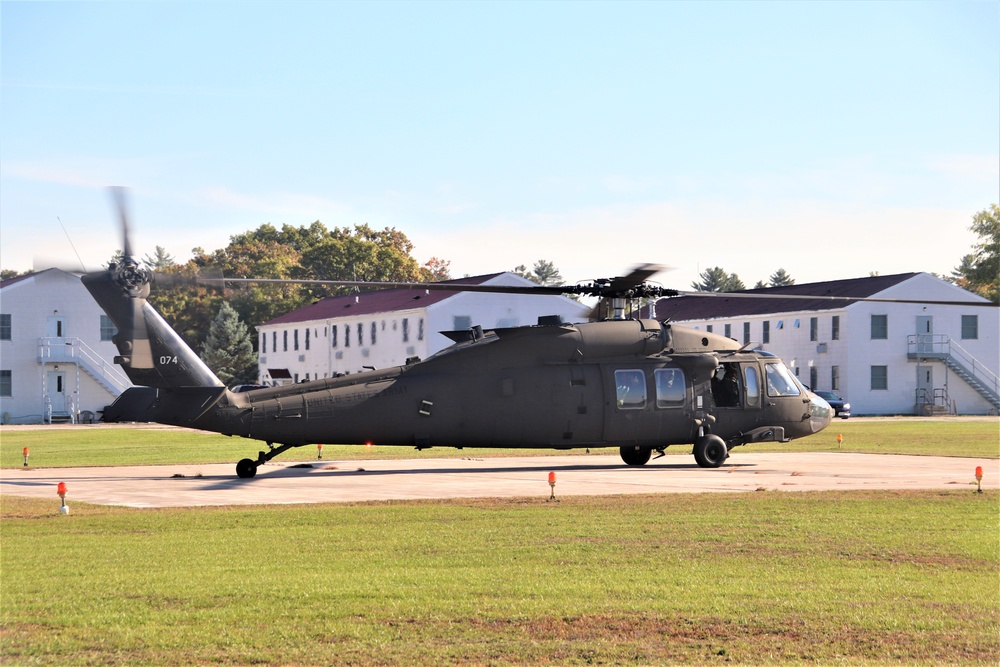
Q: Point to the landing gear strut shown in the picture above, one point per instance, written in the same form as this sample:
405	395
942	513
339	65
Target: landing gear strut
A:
247	468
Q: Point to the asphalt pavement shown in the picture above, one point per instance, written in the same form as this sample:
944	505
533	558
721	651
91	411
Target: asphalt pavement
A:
408	479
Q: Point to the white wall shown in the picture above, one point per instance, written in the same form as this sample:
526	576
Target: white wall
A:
32	303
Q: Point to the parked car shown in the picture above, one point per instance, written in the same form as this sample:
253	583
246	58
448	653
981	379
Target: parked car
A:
841	408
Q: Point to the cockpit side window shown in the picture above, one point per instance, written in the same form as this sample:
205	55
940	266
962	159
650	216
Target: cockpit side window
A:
753	386
669	387
780	381
631	389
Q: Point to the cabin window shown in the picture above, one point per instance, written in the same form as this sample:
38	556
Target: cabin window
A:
669	387
970	327
631	389
752	385
780	381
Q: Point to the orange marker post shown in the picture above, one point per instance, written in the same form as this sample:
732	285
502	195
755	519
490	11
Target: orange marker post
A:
319	451
25	452
61	490
552	483
979	479
840	440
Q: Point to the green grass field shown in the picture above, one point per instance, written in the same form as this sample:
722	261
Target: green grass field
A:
851	578
121	445
867	578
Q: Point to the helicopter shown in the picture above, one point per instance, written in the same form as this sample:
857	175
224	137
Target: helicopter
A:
639	384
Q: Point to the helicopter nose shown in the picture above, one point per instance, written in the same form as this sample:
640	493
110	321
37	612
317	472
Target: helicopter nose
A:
820	413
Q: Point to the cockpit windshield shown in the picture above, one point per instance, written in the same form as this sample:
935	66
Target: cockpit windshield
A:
780	381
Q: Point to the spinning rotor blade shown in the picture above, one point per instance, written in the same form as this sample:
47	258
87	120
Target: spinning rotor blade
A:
119	199
826	297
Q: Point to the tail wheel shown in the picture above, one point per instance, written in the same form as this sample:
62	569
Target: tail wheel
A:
634	455
710	451
246	468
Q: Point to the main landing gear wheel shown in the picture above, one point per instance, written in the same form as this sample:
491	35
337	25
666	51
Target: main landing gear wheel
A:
635	456
710	451
246	468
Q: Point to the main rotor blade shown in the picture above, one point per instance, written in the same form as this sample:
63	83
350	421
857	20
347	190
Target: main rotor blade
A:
443	287
118	198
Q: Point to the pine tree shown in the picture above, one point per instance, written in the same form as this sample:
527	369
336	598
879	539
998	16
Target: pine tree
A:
780	278
717	280
229	350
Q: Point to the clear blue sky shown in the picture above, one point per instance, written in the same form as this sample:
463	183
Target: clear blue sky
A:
828	139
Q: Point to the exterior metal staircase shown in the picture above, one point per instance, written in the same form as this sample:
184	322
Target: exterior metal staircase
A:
956	358
75	351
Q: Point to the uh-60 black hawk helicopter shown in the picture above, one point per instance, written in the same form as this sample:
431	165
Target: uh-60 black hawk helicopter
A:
638	384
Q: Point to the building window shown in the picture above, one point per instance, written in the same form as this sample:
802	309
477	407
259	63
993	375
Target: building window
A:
420	329
835	378
374	334
5	326
347	335
108	328
729	330
880	327
746	333
263	343
361	331
333	336
813	328
708	328
835	328
295	340
6	383
284	340
813	377
274	341
307	340
406	330
880	377
766	335
970	327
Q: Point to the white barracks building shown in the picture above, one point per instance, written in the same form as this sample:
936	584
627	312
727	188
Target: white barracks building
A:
884	358
352	333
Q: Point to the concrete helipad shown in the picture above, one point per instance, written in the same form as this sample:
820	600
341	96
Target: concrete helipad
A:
358	481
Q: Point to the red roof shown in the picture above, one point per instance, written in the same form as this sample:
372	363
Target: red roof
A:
380	301
704	307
